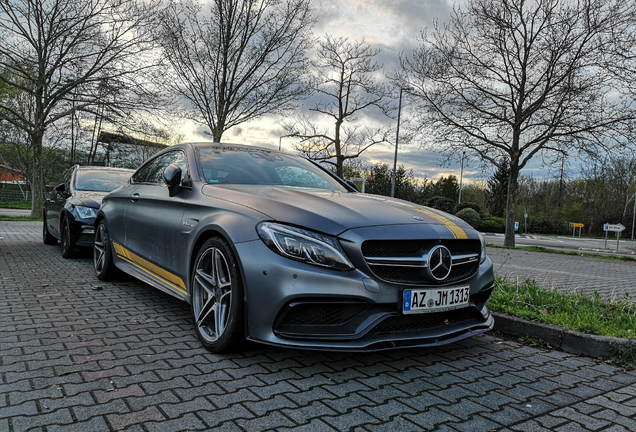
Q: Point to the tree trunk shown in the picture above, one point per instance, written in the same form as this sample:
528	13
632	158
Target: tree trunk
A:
37	183
513	189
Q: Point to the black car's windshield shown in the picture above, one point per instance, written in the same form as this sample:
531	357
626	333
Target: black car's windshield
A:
225	165
100	180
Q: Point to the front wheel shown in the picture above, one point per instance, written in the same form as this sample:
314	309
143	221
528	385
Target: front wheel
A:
46	235
67	245
217	297
102	254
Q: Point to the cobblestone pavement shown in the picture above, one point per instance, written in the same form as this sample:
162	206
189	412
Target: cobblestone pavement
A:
77	354
610	278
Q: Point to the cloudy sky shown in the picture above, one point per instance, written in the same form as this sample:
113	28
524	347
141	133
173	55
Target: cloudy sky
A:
393	27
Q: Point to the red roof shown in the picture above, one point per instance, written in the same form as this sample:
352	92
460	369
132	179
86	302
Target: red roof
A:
10	176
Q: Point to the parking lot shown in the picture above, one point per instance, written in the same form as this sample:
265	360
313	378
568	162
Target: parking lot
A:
78	354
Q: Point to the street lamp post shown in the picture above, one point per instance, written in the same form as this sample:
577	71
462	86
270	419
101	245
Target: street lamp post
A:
634	217
461	177
290	135
397	136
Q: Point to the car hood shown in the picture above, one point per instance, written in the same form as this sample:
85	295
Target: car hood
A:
89	198
334	212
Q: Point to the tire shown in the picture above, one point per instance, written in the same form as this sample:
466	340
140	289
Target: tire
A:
65	238
103	254
217	298
47	238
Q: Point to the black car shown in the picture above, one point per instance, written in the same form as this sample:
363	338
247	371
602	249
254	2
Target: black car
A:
71	208
273	248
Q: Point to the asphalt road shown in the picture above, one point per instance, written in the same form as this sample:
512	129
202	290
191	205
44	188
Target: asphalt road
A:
14	212
78	354
625	245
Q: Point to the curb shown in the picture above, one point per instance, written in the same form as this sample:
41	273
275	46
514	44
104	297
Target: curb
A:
569	341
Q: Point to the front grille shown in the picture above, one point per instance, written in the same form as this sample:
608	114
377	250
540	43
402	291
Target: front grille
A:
397	248
426	321
405	260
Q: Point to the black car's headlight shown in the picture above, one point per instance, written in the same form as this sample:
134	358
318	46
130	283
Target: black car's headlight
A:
86	212
482	256
302	245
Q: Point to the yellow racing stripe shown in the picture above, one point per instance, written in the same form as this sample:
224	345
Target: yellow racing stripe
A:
457	232
173	280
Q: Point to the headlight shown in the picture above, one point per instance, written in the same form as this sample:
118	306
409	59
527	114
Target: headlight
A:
86	212
482	256
305	246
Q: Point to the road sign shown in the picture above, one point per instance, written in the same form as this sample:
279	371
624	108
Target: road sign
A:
516	226
578	225
613	227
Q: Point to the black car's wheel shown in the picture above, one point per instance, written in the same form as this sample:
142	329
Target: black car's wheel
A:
217	297
102	254
67	245
47	238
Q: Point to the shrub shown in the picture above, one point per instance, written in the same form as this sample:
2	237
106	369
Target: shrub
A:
442	203
470	216
472	205
547	226
493	224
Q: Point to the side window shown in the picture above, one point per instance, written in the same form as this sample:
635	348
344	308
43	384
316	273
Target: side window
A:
142	173
153	171
67	177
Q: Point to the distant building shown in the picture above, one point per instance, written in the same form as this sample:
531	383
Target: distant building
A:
11	176
125	151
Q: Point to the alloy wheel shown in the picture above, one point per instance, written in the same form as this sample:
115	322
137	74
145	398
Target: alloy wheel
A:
99	247
212	294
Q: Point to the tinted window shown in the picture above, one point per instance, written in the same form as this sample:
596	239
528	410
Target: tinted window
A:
221	165
100	180
153	171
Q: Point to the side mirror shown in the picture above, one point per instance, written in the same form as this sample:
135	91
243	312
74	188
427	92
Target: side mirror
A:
172	178
60	188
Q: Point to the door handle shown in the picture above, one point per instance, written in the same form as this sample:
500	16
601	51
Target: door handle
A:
134	197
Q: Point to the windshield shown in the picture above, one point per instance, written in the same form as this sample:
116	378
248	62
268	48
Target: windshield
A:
225	165
100	180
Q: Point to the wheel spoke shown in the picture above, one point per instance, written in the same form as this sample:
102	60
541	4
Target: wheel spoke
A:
203	317
221	318
206	281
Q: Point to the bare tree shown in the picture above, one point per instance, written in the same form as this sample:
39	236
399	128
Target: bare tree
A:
518	79
238	60
69	55
345	78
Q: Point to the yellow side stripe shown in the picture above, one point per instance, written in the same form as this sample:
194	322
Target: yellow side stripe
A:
457	232
155	276
150	268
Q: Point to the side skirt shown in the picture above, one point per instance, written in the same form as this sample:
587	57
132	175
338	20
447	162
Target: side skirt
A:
123	259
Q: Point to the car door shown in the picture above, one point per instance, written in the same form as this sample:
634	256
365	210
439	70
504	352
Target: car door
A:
56	201
153	218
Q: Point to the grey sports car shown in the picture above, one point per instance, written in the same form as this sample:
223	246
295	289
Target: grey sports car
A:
274	248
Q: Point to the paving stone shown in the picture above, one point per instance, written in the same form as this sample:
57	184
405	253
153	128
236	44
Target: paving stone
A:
345	422
188	422
388	410
121	421
273	420
126	358
306	413
313	426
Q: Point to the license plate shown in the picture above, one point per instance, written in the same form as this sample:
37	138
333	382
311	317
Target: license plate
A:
426	300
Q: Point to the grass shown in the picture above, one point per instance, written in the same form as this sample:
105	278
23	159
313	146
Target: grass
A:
25	205
18	218
573	311
564	252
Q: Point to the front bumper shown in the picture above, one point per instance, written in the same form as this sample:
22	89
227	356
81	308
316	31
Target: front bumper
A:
293	304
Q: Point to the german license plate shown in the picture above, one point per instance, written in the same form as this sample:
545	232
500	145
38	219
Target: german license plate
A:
427	300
